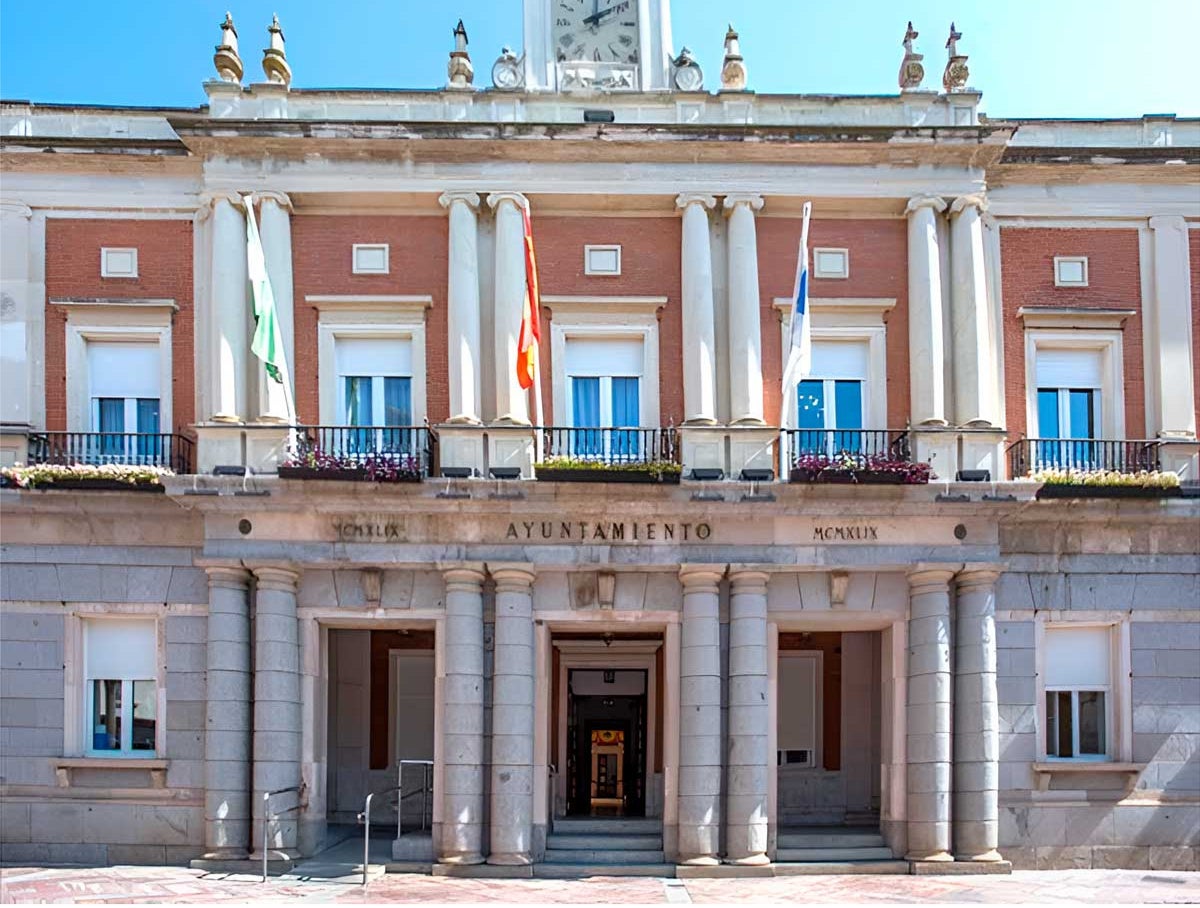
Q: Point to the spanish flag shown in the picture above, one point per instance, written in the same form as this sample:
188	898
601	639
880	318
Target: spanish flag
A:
531	332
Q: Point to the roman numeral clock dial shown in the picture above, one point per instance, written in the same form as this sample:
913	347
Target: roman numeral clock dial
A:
596	31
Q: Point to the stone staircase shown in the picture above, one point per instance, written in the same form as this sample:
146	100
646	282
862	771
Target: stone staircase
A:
834	849
595	846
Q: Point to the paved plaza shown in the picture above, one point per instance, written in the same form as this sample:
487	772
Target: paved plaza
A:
181	885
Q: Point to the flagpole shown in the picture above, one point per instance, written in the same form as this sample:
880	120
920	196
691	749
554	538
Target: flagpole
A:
788	391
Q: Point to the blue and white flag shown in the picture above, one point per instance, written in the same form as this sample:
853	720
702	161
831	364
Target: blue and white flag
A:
799	351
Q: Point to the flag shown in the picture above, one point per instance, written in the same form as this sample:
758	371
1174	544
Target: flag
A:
267	344
531	331
799	352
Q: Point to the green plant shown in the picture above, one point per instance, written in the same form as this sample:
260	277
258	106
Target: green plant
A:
656	468
1144	479
38	474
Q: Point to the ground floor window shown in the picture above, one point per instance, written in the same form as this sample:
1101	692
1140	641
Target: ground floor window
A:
1077	671
121	687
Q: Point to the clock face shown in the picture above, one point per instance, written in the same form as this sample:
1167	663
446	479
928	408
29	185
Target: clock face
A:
600	31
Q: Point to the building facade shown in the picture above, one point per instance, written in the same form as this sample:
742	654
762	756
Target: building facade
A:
732	662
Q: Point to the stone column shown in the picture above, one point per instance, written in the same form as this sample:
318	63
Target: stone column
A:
511	813
512	402
230	319
227	716
15	323
925	330
699	320
748	779
276	229
928	714
462	300
745	334
700	717
1176	417
462	719
976	719
277	726
974	361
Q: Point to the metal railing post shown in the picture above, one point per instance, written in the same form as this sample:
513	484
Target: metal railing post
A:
266	821
367	837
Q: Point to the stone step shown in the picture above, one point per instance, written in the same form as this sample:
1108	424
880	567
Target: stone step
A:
558	841
832	868
604	856
841	839
809	855
614	826
576	871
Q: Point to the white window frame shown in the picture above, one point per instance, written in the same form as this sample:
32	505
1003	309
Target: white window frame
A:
128	321
1111	423
818	750
108	256
1118	704
588	317
1060	260
590	269
357	258
77	716
380	317
826	273
378	396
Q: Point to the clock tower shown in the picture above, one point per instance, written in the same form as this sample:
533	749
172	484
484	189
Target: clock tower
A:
597	45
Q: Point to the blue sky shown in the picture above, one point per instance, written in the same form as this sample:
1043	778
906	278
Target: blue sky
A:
1032	58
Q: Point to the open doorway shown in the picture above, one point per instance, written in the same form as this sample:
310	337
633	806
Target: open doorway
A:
606	742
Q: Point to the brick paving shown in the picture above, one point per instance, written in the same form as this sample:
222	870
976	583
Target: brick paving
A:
178	885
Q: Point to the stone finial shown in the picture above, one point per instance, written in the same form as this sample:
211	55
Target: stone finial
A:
911	70
275	64
459	69
955	76
733	70
226	59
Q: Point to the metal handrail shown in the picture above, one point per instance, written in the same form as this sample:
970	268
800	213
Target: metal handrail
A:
267	795
426	788
365	816
551	795
1122	455
610	444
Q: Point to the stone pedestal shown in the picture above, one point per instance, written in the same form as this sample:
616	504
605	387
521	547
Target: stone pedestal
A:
747	780
928	715
227	720
976	719
461	445
698	311
511	446
983	450
752	448
700	717
938	448
926	341
461	840
703	448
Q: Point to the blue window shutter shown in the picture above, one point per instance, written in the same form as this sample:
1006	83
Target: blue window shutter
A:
625	406
585	395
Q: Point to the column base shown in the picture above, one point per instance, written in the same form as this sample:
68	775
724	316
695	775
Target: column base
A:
510	860
459	860
934	857
227	854
702	860
754	860
986	857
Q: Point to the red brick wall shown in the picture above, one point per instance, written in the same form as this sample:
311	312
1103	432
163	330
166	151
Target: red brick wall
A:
1194	261
649	267
164	272
417	264
1114	281
878	268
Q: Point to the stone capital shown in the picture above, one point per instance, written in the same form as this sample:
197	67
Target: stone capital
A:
684	199
447	199
463	578
928	579
977	576
747	580
13	208
210	200
733	199
974	200
282	578
495	199
227	576
279	198
917	202
1168	222
701	578
512	578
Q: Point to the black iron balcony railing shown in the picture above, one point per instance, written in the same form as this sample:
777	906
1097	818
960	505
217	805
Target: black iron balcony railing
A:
175	452
345	447
851	446
1030	455
611	445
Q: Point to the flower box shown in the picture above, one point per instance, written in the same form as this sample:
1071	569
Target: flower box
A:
346	474
847	477
99	485
575	474
1081	490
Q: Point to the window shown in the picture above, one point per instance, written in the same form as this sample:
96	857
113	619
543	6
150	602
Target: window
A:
1077	671
830	403
605	378
1070	271
118	262
370	258
831	263
800	705
602	261
375	390
125	402
1069	399
121	687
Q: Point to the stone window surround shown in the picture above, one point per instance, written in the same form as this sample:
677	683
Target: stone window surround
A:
605	316
134	320
75	718
819	272
851	319
1060	260
114	252
357	268
1112	391
587	260
400	317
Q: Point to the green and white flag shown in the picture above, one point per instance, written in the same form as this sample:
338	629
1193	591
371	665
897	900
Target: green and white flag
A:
267	344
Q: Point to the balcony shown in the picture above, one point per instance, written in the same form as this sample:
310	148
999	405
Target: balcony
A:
878	456
609	454
1032	455
361	453
166	451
